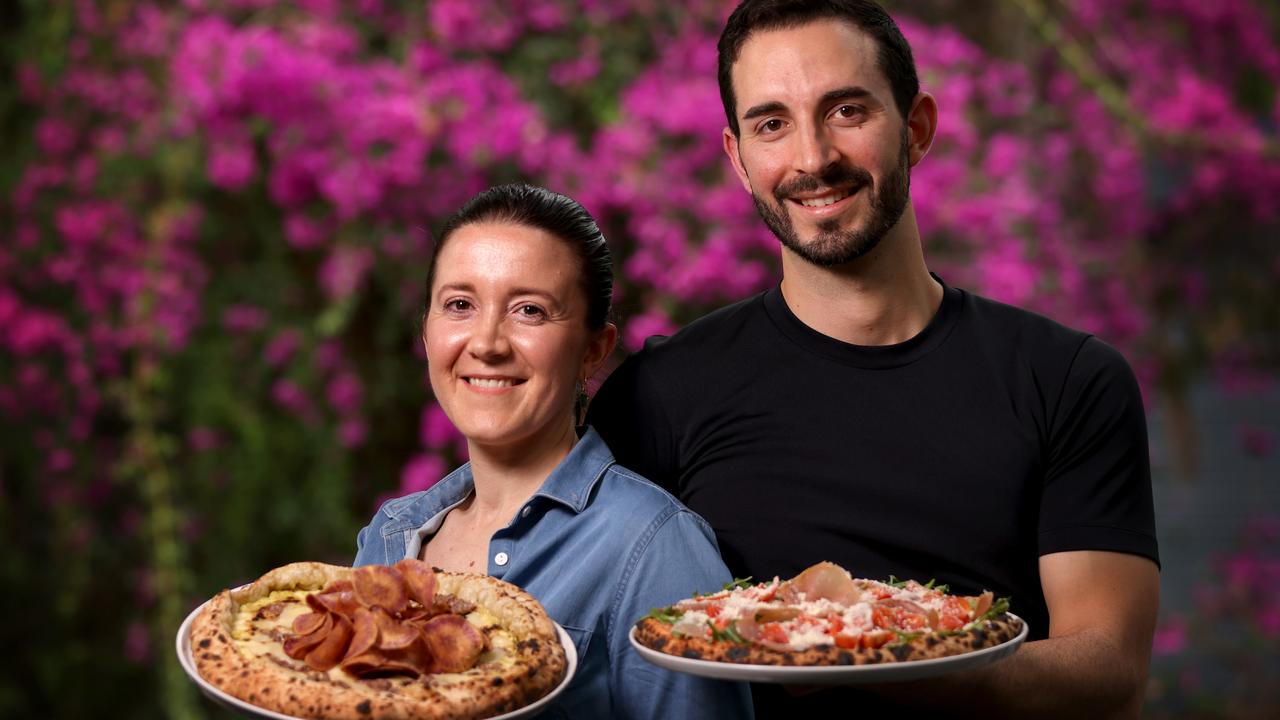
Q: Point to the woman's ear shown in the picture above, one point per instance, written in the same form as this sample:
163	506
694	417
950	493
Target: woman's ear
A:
599	346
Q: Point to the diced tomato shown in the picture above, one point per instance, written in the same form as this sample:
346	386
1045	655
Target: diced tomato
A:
836	624
773	632
954	613
875	638
848	642
712	611
766	597
890	615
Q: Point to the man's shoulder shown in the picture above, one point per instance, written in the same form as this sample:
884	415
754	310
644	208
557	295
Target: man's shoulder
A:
1039	339
713	332
1027	328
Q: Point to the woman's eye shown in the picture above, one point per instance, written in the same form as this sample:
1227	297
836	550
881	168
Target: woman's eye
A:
456	305
531	311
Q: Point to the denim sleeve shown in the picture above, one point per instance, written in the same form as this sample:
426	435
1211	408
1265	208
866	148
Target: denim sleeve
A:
677	557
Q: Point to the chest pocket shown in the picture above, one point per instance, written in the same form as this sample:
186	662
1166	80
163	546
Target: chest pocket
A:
577	699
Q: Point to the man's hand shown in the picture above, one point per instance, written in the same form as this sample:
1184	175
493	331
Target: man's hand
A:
1102	616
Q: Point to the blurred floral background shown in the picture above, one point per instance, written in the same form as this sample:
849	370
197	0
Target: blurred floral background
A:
216	216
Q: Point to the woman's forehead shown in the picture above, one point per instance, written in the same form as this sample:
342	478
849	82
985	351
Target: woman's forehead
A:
499	251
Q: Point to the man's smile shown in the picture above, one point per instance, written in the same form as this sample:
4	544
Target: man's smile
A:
825	199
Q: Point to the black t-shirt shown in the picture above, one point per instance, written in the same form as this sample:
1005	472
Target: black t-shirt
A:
991	438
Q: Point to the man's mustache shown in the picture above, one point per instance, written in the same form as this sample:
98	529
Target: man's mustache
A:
836	176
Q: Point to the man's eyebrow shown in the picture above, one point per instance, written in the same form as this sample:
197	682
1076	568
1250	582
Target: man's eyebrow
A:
763	109
853	92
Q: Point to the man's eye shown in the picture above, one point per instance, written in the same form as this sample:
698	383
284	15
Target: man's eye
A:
771	125
848	111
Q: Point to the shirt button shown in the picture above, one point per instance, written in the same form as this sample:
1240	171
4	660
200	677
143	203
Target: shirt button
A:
500	559
525	512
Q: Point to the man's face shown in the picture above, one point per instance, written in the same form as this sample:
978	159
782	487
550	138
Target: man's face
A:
822	147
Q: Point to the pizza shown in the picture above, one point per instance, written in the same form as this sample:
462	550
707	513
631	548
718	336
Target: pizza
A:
406	641
823	616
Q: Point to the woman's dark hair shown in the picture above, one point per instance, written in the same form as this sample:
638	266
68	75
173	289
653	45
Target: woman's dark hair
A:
894	57
557	214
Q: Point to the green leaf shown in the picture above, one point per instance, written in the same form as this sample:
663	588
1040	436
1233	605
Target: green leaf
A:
895	582
738	583
904	637
668	615
943	588
999	607
728	634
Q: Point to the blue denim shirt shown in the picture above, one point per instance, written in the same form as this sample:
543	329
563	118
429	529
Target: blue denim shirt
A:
599	546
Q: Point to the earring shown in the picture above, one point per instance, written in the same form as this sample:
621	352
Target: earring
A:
580	389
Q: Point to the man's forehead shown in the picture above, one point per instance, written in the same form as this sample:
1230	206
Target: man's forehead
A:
821	53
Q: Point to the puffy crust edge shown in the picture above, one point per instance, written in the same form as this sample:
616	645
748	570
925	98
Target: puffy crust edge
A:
483	691
657	635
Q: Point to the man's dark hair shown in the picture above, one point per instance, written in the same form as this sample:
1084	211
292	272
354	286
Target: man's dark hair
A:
894	57
559	215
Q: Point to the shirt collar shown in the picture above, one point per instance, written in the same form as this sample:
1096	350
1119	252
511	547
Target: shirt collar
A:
569	484
576	476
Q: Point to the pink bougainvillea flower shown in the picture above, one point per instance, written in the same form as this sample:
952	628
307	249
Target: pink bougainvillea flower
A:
422	472
244	318
282	347
345	392
1257	441
437	430
1170	637
645	325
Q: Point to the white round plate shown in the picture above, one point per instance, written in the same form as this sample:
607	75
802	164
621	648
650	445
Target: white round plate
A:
189	665
837	674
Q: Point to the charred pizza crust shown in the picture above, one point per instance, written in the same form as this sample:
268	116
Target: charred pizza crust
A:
511	677
658	635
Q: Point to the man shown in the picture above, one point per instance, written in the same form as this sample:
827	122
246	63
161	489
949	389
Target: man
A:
866	413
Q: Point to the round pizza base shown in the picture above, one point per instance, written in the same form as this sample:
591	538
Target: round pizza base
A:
186	658
828	664
489	689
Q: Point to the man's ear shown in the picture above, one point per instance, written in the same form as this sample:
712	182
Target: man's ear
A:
735	157
922	125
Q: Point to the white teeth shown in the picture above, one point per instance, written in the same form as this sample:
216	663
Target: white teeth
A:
824	201
490	383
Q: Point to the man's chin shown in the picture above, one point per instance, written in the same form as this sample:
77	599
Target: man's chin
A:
832	248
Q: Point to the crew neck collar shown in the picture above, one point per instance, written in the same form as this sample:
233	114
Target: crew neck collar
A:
874	357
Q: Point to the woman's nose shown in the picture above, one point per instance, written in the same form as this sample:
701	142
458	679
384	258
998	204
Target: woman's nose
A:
489	340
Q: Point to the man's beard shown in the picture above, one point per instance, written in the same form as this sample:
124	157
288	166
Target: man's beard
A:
831	245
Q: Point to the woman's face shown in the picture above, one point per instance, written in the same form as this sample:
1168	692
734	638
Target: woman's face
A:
506	334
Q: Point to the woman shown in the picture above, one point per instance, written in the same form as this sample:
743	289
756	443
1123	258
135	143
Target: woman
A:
517	320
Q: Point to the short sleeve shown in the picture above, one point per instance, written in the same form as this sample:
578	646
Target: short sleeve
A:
678	559
1097	488
628	411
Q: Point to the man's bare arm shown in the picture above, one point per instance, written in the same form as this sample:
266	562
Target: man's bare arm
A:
1102	610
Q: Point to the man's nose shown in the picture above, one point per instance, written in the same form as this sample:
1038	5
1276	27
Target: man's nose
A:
816	151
